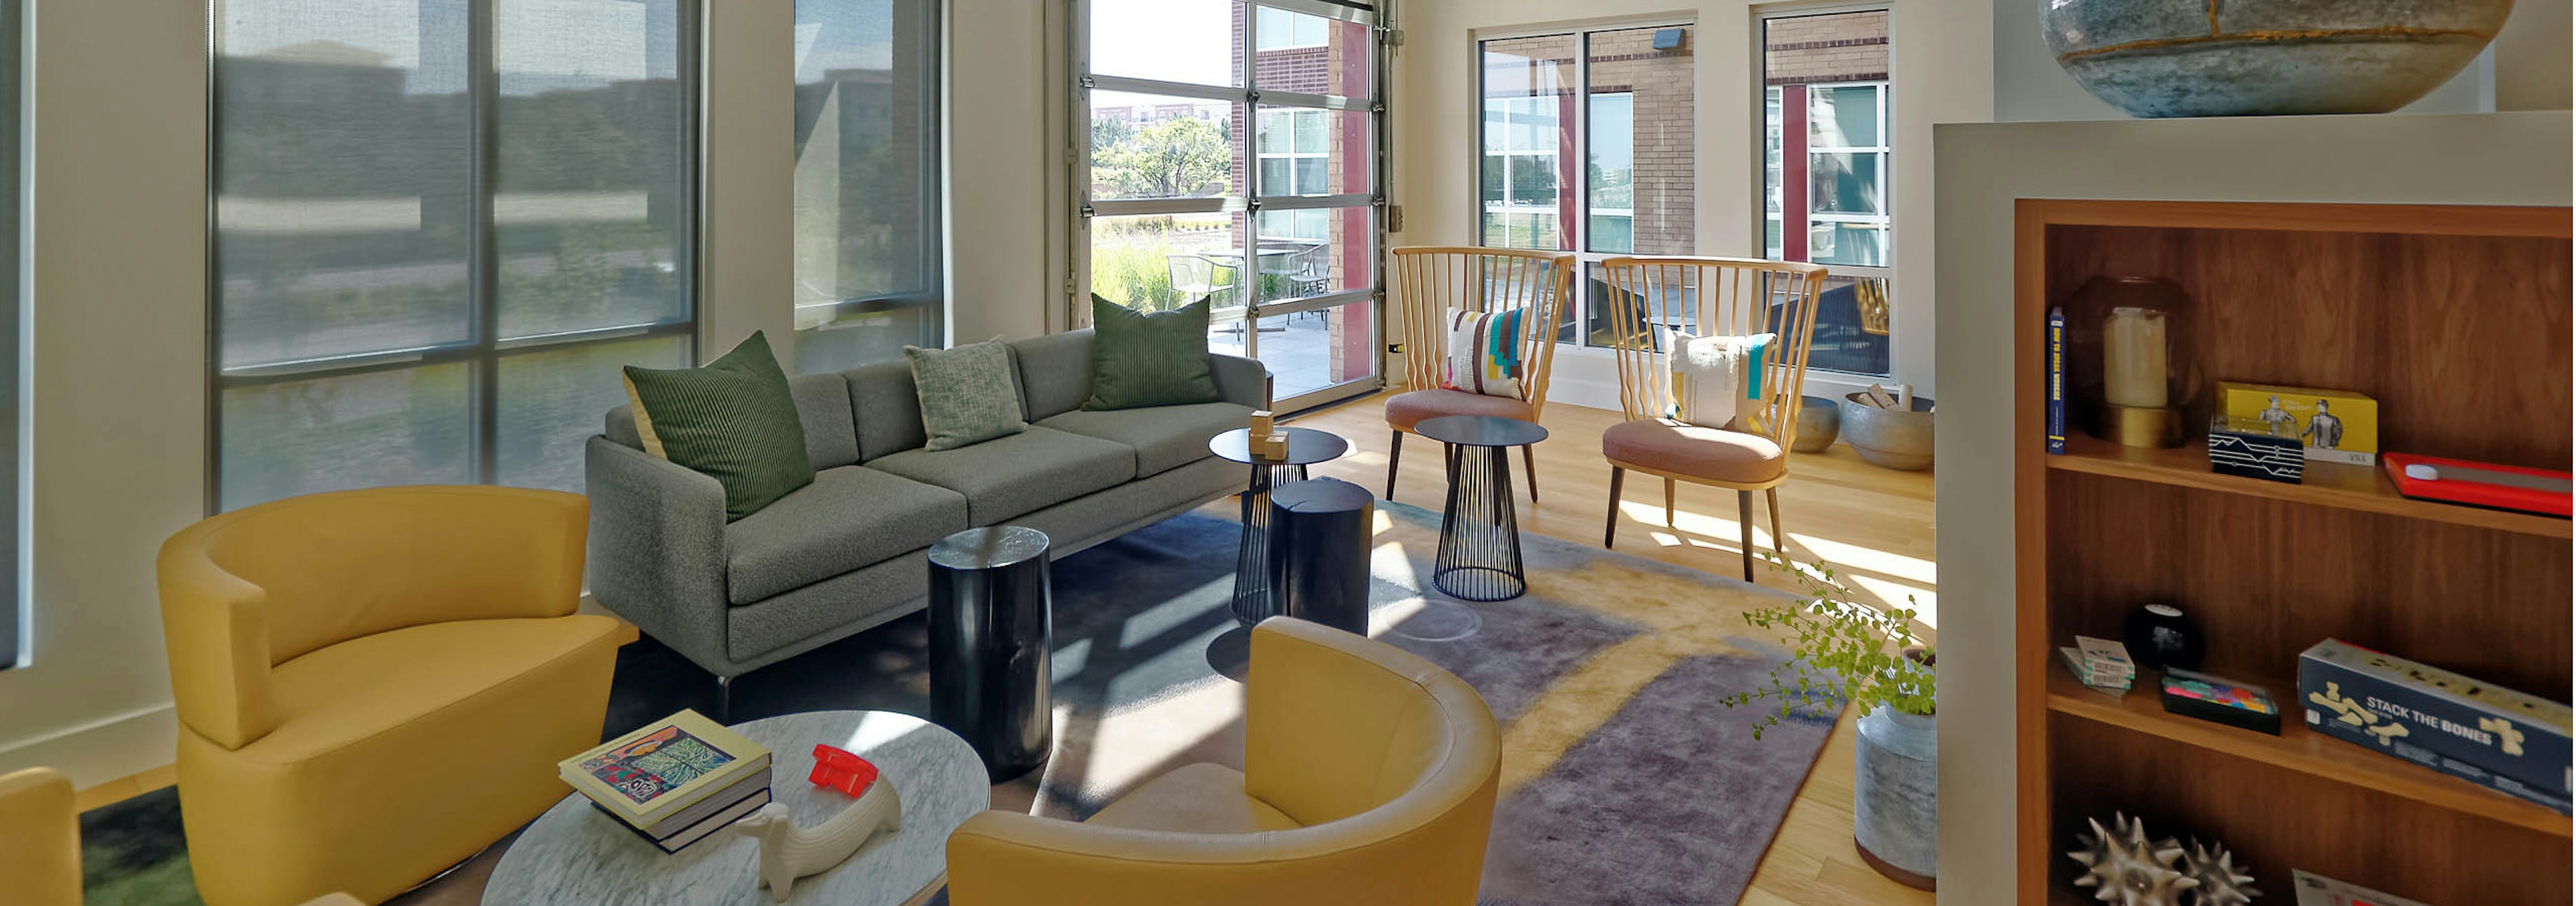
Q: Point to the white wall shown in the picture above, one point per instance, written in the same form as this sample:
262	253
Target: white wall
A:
118	289
1938	52
2526	69
2492	159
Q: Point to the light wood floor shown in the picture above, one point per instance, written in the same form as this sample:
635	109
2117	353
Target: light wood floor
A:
1873	525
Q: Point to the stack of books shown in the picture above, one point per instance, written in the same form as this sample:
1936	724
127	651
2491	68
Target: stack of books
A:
674	782
2101	663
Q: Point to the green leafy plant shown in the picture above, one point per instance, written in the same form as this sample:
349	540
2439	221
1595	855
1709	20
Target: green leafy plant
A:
1840	651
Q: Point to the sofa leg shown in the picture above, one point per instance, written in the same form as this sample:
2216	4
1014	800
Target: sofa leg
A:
724	700
1529	463
1744	525
1610	533
1394	454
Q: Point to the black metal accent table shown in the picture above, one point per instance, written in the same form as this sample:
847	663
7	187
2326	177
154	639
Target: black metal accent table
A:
1480	537
1252	599
991	628
1319	552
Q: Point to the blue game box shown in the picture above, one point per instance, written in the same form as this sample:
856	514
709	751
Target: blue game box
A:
2494	737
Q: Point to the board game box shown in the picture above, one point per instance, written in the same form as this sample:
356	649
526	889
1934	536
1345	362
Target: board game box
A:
2330	425
2496	737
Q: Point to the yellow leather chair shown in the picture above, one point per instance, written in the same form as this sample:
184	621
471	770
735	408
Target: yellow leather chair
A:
374	685
1369	778
40	855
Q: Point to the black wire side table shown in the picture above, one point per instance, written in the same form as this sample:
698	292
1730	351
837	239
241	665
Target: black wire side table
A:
1306	446
1480	536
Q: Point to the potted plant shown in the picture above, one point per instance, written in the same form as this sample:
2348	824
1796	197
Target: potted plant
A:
1843	651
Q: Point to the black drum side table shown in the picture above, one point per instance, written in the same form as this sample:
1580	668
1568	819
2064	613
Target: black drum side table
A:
991	628
1480	537
1306	446
1319	552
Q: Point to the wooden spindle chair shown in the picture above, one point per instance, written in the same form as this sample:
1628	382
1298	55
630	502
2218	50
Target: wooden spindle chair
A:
1707	297
1430	280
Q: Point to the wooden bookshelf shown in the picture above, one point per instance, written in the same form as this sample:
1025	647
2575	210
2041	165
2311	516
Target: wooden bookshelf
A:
2456	320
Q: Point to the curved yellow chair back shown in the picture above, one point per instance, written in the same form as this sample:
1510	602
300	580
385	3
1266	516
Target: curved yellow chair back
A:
1388	764
39	840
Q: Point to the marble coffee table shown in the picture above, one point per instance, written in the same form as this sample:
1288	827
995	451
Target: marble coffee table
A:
575	854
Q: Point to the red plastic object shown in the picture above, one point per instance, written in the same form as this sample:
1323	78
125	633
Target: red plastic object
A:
2541	491
839	770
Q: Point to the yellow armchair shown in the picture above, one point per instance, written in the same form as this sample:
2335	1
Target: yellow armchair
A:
1369	777
373	685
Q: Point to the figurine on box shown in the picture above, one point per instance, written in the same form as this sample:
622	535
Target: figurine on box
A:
2325	432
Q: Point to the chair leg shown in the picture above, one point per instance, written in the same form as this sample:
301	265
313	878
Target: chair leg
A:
1394	454
1529	463
1610	533
1668	504
1779	542
1744	522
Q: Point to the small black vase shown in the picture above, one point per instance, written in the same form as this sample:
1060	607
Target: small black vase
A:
2159	636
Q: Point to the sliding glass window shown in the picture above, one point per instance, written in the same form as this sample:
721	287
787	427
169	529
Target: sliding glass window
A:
867	181
1233	157
1825	102
440	228
1588	146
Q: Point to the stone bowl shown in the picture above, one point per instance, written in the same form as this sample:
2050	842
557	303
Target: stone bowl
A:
1889	438
1819	422
2167	58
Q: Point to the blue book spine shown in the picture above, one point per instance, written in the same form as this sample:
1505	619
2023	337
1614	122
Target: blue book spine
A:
2056	380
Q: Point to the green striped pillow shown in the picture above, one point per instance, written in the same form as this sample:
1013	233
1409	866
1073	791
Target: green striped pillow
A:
1141	359
733	420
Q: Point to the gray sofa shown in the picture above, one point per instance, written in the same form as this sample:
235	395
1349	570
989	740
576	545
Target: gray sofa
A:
848	552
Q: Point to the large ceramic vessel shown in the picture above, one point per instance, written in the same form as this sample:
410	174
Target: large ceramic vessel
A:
2163	58
1895	812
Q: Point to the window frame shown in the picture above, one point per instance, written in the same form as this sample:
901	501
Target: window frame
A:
1763	217
1251	199
485	351
1577	314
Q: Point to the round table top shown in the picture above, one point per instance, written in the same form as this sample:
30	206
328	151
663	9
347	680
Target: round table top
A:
576	854
1481	431
990	547
1306	446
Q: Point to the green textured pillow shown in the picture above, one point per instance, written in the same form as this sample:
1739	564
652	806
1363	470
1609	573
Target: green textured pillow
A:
1141	359
732	419
968	394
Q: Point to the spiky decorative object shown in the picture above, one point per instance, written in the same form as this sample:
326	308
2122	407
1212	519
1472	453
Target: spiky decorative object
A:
2215	868
2128	870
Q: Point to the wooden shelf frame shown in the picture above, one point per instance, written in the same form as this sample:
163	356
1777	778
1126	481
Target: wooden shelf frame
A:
2044	692
2300	749
2337	485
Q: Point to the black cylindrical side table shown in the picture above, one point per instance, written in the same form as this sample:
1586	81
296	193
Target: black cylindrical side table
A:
990	631
1319	552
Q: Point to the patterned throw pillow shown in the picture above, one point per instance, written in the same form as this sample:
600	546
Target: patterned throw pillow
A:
733	420
968	394
1720	382
1485	352
1141	359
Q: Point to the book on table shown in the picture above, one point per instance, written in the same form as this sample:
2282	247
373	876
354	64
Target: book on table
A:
674	777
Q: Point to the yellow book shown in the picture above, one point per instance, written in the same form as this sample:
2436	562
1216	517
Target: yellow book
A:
669	764
2331	425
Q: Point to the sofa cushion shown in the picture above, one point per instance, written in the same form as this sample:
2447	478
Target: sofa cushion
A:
886	408
1165	437
1195	799
734	419
1008	476
375	684
969	395
1055	372
1141	358
848	518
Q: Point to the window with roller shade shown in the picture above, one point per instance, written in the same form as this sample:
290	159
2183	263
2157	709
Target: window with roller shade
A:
868	256
441	226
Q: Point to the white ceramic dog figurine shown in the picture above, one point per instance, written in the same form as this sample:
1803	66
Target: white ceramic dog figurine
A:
788	852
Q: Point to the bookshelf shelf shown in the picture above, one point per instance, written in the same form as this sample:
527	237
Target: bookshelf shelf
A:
2350	487
2298	749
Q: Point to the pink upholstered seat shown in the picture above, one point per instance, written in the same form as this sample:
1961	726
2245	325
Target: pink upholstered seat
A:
1405	410
1678	448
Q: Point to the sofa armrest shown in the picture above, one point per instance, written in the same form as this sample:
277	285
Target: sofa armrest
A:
657	548
1242	381
215	626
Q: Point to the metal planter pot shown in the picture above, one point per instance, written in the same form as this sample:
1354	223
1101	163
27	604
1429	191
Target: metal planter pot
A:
1895	815
1820	420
